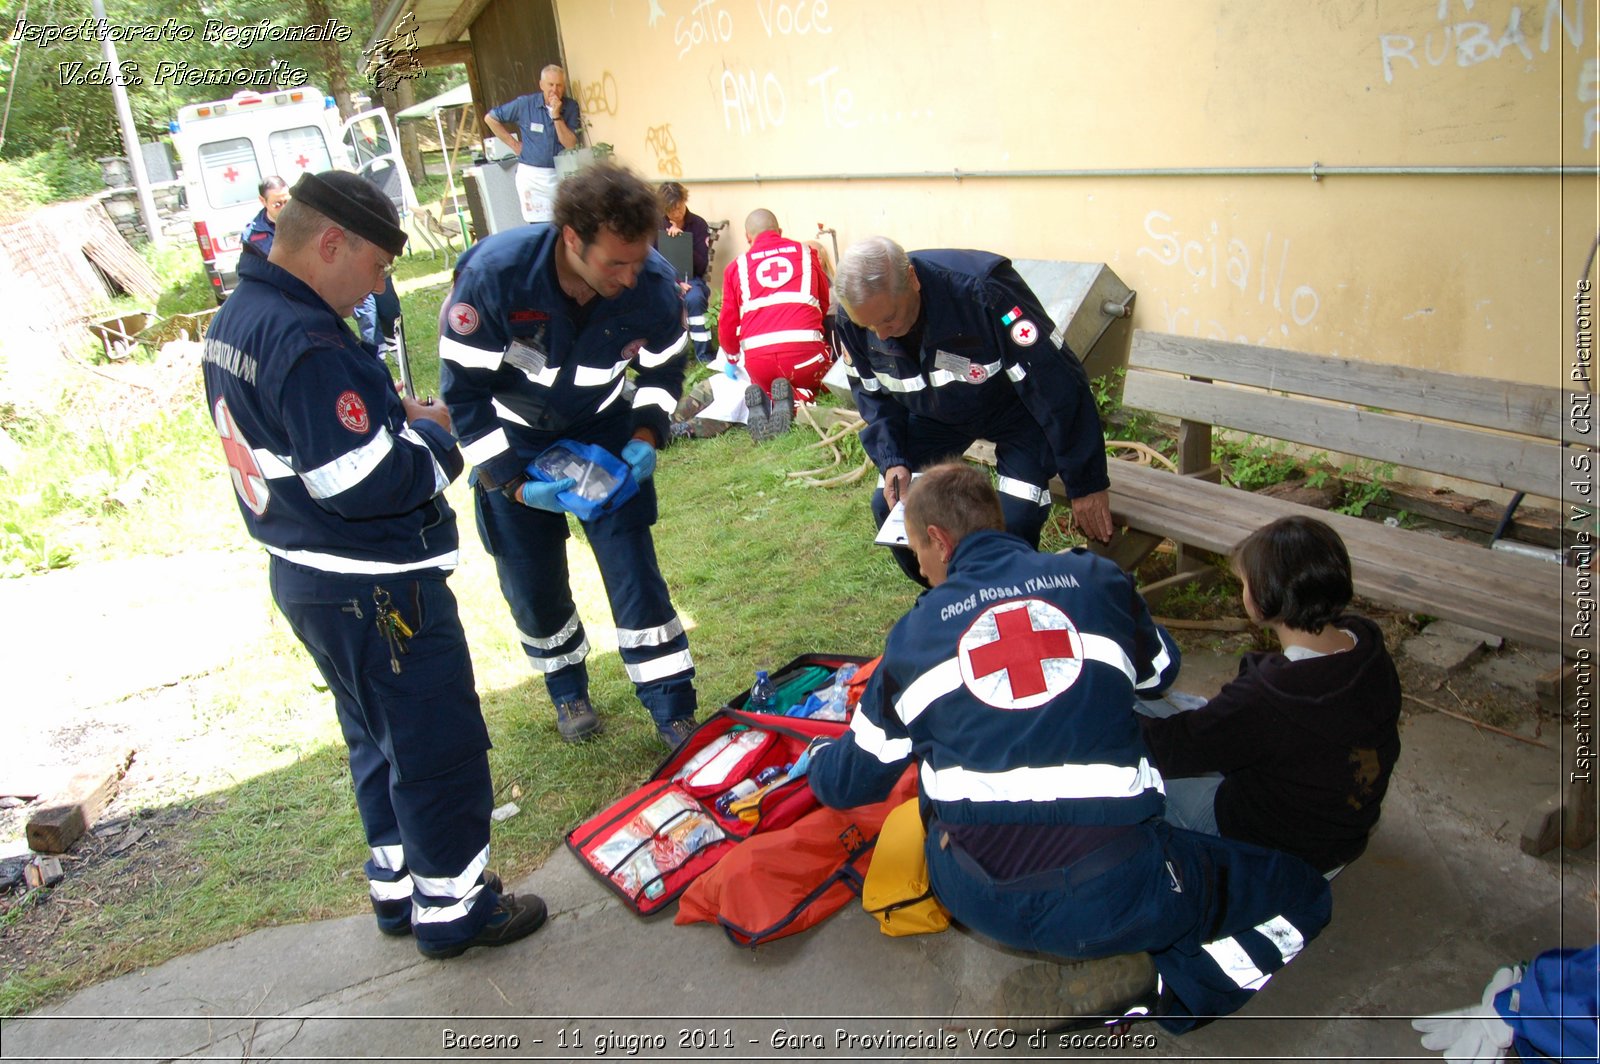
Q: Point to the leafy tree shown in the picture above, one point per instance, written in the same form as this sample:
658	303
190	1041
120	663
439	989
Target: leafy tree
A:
42	112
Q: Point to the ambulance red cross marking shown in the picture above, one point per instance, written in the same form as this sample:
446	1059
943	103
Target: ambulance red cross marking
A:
1021	651
231	174
302	162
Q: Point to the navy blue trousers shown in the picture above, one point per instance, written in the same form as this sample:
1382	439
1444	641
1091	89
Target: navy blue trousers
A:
530	555
418	744
1022	459
695	301
1219	917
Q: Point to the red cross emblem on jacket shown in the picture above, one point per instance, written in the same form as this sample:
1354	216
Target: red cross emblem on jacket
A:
242	466
1021	654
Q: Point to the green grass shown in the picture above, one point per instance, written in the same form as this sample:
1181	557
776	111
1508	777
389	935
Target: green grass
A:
761	570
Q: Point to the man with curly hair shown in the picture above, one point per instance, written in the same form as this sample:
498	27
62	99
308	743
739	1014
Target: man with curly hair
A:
535	345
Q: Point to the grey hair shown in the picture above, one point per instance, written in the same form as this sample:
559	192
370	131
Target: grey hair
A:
553	68
871	267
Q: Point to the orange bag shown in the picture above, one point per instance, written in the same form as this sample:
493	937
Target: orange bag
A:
774	884
858	682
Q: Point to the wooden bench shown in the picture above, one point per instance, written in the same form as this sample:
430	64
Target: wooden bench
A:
1513	436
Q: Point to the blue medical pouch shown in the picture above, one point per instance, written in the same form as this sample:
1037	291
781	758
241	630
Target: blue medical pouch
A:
603	481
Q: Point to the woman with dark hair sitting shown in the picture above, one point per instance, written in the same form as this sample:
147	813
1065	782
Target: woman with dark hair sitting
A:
1295	753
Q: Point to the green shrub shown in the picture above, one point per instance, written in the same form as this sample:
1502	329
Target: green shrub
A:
47	176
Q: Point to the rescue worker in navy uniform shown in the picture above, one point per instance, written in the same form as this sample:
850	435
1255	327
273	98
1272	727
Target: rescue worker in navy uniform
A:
273	192
342	481
1010	683
373	311
943	348
535	344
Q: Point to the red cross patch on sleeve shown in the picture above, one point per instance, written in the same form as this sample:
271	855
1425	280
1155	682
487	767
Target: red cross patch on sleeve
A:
463	318
352	412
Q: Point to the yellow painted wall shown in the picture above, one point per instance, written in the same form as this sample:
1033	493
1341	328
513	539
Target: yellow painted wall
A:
1465	273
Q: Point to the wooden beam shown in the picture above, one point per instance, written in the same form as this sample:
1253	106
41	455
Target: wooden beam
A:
462	20
1157	592
438	55
1518	597
1128	547
72	811
1530	409
1505	461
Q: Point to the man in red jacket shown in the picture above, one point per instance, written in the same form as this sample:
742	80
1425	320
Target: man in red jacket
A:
774	303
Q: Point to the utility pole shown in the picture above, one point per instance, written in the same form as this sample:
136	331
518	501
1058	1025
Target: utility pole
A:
130	136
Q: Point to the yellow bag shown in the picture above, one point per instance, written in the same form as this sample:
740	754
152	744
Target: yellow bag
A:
896	891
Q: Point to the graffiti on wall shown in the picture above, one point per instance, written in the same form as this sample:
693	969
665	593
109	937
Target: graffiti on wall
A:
1214	259
708	22
598	97
660	141
1471	33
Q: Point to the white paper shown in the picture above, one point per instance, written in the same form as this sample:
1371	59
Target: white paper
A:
893	532
727	395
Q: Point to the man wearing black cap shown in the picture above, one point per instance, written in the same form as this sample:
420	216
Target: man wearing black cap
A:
535	345
342	481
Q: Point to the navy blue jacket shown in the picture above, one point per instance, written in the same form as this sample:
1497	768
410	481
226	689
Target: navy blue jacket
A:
258	234
522	366
328	474
986	359
1012	685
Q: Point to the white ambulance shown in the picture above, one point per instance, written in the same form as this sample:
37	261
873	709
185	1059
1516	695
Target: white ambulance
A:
227	147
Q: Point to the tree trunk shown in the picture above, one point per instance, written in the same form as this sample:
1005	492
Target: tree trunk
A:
410	150
396	100
317	14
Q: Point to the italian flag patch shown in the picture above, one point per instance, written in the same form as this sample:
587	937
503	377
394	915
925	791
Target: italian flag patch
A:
1011	315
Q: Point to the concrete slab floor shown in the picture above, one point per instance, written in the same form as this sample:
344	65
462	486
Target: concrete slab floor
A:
1441	899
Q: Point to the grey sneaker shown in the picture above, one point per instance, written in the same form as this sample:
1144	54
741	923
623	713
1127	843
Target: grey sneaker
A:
674	732
576	720
1083	993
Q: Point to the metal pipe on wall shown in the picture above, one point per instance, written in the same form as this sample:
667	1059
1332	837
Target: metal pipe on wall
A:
1316	171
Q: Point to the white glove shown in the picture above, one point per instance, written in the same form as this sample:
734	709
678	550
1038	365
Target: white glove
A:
1475	1034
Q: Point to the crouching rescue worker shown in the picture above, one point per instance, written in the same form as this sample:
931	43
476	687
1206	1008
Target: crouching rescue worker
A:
1010	683
343	482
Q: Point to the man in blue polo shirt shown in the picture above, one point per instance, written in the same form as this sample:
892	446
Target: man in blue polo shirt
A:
538	126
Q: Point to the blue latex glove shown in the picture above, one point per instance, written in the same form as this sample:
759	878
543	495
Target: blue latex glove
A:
541	494
641	458
731	371
802	764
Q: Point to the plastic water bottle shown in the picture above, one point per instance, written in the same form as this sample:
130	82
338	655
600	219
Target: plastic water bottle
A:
746	787
743	789
763	699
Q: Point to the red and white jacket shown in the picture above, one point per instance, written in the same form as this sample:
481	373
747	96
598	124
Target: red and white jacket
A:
774	298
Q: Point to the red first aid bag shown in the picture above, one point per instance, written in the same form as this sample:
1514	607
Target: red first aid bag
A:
783	881
649	845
